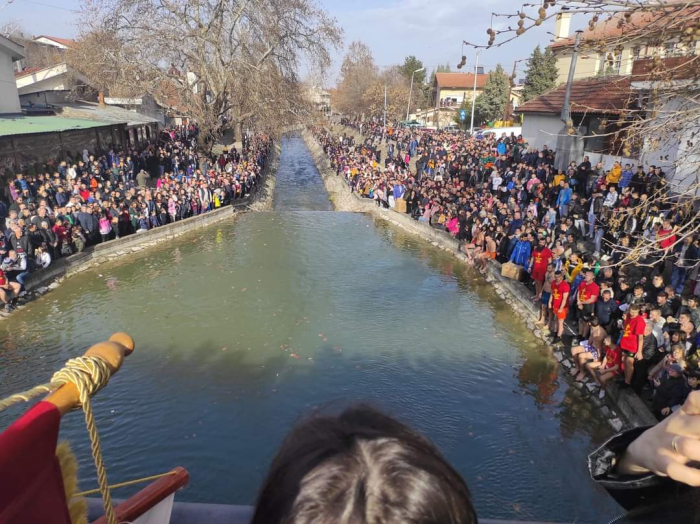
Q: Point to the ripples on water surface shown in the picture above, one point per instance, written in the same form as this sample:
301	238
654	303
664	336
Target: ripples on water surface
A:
373	315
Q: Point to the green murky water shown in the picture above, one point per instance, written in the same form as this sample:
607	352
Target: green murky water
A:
244	326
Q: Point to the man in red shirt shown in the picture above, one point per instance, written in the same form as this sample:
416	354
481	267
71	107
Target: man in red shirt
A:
559	302
666	235
632	340
541	256
588	293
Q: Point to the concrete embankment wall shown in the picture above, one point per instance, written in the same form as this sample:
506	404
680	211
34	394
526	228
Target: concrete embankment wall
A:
626	409
44	280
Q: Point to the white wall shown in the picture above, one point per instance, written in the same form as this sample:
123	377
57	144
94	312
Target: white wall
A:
609	160
9	99
540	130
674	151
55	83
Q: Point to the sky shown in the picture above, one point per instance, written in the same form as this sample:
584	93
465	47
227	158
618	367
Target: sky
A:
432	30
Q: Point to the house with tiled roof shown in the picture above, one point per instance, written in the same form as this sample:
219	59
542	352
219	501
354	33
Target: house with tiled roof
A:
54	41
595	104
452	88
612	47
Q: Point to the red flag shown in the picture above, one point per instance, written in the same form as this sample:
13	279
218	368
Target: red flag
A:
31	483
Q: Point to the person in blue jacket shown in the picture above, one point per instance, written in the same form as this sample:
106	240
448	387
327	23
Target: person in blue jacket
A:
563	199
521	252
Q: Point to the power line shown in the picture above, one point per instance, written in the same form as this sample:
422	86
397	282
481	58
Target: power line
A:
52	5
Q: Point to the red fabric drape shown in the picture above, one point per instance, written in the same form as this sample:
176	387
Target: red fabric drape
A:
31	485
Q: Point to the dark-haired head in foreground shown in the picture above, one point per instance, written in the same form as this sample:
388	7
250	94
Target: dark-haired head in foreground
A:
361	467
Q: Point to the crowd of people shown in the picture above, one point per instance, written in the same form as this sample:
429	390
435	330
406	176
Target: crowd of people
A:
97	198
573	232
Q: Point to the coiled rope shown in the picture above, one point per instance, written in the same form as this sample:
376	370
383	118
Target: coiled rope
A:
89	375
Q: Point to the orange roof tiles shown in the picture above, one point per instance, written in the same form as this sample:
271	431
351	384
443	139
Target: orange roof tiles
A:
636	25
461	80
606	95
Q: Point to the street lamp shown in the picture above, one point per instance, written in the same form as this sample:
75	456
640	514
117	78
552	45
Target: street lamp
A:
476	73
410	92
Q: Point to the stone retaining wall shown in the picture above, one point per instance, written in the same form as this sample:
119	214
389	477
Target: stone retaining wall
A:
41	281
626	410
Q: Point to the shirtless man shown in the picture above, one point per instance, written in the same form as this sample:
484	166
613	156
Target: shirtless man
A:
9	291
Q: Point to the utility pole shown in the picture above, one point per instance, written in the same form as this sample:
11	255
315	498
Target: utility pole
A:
476	68
511	83
385	108
437	103
410	92
565	141
565	110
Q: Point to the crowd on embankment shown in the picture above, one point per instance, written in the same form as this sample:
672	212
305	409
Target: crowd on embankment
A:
571	232
93	199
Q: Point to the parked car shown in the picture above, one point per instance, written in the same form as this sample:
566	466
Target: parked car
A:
499	131
411	123
452	128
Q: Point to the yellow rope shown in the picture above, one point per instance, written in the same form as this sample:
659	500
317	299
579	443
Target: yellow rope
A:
125	484
89	374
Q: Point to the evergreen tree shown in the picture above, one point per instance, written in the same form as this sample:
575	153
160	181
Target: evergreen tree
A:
440	69
491	103
411	64
541	73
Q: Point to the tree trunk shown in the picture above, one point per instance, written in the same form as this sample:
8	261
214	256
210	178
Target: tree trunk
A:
238	131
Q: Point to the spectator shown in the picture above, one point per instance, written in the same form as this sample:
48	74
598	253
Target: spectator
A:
9	291
632	341
559	303
671	392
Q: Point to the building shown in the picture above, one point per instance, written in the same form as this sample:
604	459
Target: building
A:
636	43
137	128
27	143
53	84
450	89
595	104
319	98
144	105
10	52
673	127
42	51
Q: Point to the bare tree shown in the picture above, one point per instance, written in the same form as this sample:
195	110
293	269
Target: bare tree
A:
357	73
660	122
397	89
220	59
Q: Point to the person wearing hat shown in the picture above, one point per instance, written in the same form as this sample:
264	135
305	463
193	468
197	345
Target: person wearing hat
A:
671	392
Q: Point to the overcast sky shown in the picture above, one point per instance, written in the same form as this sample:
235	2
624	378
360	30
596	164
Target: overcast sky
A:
432	30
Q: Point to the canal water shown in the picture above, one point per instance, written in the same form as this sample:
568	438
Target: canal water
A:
245	326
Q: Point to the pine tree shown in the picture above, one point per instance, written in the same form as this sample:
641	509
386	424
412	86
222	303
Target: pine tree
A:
491	103
541	73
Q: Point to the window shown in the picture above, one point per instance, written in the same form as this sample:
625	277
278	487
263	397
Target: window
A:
671	49
617	63
636	52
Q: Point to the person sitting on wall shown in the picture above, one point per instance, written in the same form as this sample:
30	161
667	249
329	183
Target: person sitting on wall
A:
9	291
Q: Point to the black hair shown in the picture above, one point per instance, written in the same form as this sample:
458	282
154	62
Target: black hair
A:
361	466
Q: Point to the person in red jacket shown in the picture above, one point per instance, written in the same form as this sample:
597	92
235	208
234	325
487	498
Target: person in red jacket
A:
559	302
632	340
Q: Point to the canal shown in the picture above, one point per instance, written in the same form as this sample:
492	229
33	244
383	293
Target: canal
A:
245	326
